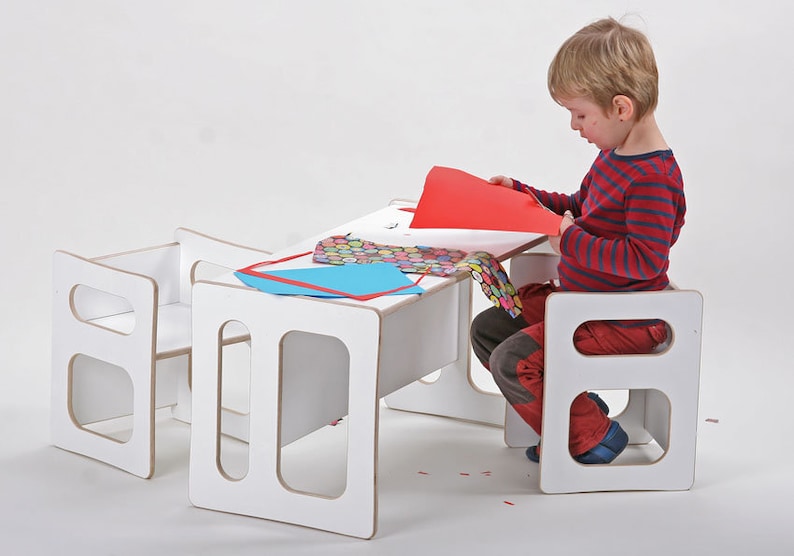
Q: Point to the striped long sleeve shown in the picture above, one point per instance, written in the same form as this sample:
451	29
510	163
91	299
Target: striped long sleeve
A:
628	212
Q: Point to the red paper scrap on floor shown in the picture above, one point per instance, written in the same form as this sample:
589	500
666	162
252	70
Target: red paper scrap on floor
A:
454	199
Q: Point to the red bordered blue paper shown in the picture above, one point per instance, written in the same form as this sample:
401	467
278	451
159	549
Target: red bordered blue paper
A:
361	282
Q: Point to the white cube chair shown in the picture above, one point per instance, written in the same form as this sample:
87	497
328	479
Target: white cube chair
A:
663	387
121	343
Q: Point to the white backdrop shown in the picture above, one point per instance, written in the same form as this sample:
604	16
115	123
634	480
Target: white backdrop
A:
263	121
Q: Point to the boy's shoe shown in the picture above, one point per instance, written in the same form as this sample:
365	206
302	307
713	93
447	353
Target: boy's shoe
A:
602	405
613	443
533	451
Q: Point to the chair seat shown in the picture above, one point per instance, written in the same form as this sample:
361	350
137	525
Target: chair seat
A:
173	329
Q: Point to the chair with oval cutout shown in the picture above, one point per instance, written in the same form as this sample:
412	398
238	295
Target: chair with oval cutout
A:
121	344
663	387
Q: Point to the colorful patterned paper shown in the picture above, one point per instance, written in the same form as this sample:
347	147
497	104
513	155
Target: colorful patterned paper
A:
485	269
489	273
340	250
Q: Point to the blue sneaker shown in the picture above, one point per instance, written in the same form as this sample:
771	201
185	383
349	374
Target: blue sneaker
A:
602	405
533	453
613	443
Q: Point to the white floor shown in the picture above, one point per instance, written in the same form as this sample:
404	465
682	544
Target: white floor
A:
445	487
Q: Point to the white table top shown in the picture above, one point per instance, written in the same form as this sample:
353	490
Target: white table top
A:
391	225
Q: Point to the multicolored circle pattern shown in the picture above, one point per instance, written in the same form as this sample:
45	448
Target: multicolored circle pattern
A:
489	273
485	269
340	250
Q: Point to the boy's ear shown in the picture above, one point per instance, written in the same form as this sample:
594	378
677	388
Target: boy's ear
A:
623	107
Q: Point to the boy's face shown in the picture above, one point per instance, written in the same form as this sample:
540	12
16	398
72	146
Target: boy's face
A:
602	128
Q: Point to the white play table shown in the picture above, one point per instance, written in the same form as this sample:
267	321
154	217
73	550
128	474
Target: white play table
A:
384	346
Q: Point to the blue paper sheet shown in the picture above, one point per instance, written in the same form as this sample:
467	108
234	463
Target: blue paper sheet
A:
355	280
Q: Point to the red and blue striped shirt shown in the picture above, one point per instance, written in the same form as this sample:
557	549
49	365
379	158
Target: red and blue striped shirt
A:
628	213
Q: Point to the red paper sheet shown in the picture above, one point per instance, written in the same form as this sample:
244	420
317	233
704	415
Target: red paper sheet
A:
454	199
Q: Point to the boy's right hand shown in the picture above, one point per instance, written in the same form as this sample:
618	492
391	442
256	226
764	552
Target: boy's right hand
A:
502	180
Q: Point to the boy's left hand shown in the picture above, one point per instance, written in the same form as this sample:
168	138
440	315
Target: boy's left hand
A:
502	180
567	221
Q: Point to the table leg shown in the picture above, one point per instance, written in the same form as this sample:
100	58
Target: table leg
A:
454	393
262	492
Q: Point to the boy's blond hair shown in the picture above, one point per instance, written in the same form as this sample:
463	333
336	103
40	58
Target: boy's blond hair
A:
604	59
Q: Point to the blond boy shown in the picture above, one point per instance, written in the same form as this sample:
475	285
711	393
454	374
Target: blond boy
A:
615	235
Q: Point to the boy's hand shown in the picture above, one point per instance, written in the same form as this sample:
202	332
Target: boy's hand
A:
554	241
502	180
